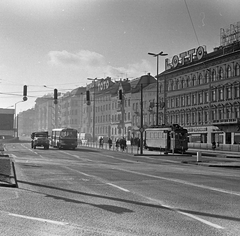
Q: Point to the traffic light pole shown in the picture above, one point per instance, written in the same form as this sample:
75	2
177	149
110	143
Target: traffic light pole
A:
141	129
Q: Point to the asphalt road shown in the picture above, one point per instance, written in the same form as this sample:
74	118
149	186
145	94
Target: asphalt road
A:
100	192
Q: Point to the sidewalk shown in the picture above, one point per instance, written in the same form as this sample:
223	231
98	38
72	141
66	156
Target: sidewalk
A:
219	158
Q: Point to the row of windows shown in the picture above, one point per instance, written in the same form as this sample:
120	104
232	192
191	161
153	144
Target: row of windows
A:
115	118
202	78
217	94
104	130
203	116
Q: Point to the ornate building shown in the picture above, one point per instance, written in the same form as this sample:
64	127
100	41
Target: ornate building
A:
202	93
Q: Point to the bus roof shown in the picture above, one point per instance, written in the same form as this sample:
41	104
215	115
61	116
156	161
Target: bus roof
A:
61	129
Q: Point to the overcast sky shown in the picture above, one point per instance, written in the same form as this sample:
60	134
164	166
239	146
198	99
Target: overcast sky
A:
60	43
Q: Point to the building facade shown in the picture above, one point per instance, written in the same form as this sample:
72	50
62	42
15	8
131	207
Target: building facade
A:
201	93
71	109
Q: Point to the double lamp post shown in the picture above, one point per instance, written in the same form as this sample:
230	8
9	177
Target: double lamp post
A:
157	56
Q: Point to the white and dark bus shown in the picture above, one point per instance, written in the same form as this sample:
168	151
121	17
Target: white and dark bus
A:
64	138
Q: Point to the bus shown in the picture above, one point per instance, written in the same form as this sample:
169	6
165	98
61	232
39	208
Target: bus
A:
64	138
167	138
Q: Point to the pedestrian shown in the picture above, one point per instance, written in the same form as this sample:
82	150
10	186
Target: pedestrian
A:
110	143
138	143
117	144
101	142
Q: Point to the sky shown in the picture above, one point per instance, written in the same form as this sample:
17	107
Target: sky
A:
47	44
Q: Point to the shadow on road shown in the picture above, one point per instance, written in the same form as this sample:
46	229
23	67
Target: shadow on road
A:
120	210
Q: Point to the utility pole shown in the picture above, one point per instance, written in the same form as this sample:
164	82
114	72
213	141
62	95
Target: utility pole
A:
141	129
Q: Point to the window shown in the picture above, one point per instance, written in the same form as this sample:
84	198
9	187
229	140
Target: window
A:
214	75
213	115
199	117
200	79
220	114
182	83
237	70
206	118
177	102
187	118
182	101
172	103
236	92
228	93
193	118
207	76
194	99
206	97
229	71
220	94
200	98
221	73
236	112
187	82
188	100
214	98
194	81
170	85
228	113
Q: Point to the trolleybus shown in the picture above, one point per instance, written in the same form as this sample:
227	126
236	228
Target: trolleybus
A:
64	138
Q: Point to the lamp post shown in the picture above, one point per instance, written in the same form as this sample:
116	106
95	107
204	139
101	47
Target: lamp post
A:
94	85
157	55
16	117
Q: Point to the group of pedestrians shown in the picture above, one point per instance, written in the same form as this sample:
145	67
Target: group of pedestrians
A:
121	143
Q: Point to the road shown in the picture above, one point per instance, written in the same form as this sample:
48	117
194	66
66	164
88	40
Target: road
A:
100	192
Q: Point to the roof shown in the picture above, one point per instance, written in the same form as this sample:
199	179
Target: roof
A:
78	91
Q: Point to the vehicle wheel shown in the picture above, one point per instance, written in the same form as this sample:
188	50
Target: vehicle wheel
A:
34	147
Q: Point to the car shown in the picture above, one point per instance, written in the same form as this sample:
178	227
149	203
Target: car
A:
40	139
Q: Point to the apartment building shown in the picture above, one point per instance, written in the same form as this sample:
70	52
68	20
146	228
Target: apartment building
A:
201	93
71	108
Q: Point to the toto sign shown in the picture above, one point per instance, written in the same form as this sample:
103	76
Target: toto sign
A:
100	84
196	54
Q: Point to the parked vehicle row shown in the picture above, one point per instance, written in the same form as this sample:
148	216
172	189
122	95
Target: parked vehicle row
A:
60	138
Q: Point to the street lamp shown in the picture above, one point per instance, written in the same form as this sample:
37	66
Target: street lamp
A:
157	55
94	85
16	117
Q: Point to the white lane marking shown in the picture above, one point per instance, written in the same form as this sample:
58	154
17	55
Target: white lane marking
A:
201	220
118	158
76	156
116	186
186	214
39	219
185	182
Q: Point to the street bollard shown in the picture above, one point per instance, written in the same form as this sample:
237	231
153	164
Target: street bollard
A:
199	155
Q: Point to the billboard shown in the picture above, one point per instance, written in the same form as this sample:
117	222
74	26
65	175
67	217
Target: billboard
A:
6	121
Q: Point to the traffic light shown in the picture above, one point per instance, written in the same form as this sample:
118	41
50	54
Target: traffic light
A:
120	94
55	94
88	97
25	93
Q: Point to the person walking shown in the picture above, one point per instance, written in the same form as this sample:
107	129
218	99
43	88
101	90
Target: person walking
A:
110	143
